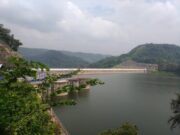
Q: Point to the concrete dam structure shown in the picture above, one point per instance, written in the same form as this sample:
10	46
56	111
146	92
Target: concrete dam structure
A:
99	70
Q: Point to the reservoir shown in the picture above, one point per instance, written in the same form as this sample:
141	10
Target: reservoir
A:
142	99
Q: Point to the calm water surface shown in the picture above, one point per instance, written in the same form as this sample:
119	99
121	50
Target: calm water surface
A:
139	98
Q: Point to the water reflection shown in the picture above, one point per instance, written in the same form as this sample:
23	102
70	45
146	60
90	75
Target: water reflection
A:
76	95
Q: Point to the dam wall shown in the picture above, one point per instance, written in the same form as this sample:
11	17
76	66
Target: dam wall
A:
99	70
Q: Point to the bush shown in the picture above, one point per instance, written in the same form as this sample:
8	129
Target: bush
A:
125	129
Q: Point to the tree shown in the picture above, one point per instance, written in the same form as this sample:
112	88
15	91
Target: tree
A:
21	110
125	129
8	38
175	106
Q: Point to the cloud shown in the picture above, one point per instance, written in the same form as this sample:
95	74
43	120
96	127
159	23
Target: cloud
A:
77	20
104	26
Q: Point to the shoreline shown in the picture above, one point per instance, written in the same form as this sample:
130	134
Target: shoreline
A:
58	122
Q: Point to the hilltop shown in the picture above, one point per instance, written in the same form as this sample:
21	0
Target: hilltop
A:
146	53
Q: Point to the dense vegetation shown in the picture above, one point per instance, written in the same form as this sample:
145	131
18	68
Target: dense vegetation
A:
6	52
165	55
21	110
7	38
60	59
125	129
175	106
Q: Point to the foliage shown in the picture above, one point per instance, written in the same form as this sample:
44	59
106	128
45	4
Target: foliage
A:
8	38
21	110
49	94
125	129
175	106
93	82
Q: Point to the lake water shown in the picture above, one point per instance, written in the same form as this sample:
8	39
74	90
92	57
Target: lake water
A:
142	99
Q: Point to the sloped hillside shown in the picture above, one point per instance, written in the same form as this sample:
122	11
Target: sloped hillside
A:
156	53
146	53
6	52
52	58
60	58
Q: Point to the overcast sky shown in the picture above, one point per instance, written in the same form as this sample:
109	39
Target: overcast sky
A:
98	26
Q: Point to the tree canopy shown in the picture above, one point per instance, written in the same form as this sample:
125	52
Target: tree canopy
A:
175	106
21	110
125	129
7	38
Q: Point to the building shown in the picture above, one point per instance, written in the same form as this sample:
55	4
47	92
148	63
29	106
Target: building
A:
1	65
40	75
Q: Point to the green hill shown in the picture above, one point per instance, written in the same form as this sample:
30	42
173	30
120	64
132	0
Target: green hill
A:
156	53
89	57
146	53
60	59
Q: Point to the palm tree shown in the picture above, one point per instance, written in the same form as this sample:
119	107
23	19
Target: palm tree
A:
175	106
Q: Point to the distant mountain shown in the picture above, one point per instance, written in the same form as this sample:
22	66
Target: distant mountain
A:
60	59
146	53
89	57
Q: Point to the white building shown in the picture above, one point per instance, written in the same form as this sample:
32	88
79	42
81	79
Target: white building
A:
1	65
0	68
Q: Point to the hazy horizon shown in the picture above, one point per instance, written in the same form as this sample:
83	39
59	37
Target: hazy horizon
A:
108	27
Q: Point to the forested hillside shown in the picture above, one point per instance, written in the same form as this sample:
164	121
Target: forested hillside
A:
53	58
161	54
89	57
61	59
